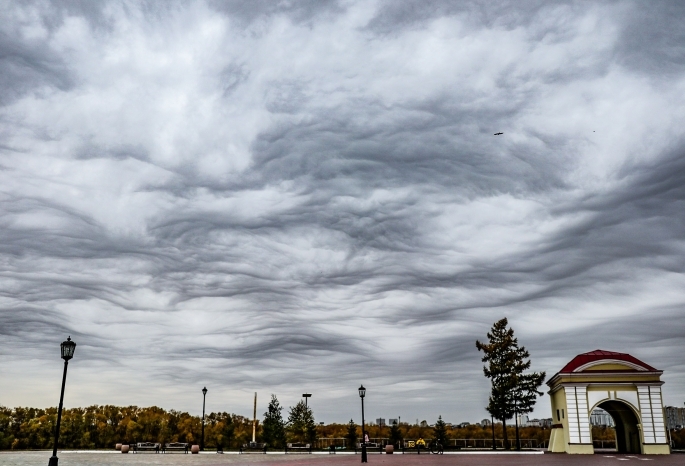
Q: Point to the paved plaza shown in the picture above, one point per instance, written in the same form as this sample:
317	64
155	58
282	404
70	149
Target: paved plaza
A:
39	458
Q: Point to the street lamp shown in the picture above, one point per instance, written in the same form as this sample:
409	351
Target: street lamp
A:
306	396
202	440
362	394
67	348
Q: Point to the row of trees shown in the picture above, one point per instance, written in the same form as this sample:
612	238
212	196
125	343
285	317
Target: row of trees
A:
104	426
300	426
513	391
440	432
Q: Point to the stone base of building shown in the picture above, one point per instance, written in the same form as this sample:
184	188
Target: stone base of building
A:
656	449
557	443
580	449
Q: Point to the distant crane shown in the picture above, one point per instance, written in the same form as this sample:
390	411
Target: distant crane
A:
497	134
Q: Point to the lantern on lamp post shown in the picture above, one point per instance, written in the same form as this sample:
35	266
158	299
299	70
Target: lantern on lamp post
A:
67	349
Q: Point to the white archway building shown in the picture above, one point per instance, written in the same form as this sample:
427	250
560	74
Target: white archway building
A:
627	388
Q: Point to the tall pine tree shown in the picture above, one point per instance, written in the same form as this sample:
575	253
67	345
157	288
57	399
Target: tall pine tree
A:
395	434
440	432
351	436
301	423
512	391
273	428
499	358
526	387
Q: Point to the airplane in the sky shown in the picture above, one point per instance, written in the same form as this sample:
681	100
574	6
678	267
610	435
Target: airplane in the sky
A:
497	134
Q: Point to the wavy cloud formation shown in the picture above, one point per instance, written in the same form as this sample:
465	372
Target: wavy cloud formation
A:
308	195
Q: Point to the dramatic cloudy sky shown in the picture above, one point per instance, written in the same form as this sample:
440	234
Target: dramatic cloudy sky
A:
280	196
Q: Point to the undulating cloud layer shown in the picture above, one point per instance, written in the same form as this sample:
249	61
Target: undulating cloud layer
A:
280	196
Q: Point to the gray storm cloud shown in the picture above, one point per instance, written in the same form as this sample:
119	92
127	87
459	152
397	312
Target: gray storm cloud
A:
306	195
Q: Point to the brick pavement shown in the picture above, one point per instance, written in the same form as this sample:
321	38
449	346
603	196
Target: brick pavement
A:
501	459
90	458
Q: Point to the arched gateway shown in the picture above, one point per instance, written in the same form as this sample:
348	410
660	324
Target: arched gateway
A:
627	388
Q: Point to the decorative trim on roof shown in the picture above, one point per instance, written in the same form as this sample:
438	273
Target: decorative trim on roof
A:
598	362
585	360
578	367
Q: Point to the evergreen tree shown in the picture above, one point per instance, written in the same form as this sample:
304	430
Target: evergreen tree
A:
301	423
499	357
511	389
440	432
395	434
351	436
273	428
526	387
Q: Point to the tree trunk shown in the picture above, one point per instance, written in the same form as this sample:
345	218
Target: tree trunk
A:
504	433
518	440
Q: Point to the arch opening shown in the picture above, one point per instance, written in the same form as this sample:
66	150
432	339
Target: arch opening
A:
625	425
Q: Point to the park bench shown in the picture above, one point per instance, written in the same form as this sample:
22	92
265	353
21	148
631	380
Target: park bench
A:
370	447
411	446
146	446
253	447
175	446
298	447
333	448
432	448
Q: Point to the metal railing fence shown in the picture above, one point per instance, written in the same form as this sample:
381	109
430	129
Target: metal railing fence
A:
326	442
608	444
499	443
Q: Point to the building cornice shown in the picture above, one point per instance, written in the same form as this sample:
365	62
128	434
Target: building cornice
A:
606	383
591	376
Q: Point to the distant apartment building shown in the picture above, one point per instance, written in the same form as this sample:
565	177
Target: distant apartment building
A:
675	417
485	423
525	422
601	418
393	421
547	423
380	422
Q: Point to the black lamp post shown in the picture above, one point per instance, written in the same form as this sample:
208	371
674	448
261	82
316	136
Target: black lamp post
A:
67	348
202	440
306	396
362	394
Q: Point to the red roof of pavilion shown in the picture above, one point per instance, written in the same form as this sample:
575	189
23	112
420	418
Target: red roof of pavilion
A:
598	355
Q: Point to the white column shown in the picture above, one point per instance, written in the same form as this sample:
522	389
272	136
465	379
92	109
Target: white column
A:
583	415
644	398
657	414
578	416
